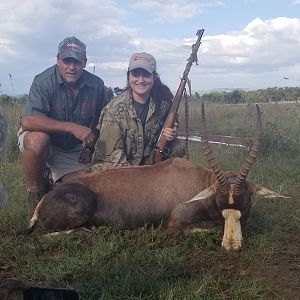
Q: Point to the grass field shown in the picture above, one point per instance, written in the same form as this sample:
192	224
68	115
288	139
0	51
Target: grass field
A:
149	263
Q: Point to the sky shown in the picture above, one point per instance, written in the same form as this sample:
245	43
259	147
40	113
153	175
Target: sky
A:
248	44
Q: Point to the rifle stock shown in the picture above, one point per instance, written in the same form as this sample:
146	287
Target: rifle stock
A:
169	122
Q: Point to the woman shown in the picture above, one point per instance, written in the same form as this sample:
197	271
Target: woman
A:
130	125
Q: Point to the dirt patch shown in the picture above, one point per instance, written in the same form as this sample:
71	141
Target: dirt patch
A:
281	274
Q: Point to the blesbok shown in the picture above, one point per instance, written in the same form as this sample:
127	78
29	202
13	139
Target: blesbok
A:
176	193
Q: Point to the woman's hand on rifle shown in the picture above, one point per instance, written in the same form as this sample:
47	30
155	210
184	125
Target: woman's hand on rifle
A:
171	133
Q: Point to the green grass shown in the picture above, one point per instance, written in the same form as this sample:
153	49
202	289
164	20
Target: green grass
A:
150	263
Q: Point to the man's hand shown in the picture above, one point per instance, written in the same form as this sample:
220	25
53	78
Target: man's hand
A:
86	155
83	133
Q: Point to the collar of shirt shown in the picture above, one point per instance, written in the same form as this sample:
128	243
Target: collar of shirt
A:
128	99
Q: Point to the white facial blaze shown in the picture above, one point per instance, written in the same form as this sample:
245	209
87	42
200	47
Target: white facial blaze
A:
231	188
232	238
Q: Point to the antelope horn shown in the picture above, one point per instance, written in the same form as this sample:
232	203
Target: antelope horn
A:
250	158
209	154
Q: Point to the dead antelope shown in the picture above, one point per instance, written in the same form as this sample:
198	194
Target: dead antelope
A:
176	193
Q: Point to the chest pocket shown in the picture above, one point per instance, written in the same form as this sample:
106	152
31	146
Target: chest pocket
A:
85	113
131	143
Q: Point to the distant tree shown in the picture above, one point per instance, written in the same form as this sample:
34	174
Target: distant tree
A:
255	96
18	99
110	93
197	95
23	98
6	98
113	92
236	96
118	91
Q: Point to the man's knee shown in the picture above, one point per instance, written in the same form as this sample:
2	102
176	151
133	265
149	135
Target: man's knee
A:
36	141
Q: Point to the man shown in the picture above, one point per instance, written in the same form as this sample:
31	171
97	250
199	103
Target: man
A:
58	124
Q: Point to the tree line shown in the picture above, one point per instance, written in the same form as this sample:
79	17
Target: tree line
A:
275	94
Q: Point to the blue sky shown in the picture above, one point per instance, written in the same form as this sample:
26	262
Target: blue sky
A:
216	16
247	44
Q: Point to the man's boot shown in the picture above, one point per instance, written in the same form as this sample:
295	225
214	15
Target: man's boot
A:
48	183
33	198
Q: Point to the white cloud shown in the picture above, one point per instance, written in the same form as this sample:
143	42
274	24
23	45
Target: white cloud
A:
267	43
263	49
296	2
31	30
46	19
255	56
6	49
173	11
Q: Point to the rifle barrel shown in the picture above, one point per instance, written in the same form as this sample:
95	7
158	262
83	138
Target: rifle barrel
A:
169	122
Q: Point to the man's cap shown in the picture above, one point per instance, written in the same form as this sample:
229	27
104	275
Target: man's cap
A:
72	47
142	60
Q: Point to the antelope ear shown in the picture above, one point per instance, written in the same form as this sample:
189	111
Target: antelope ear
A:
262	191
203	194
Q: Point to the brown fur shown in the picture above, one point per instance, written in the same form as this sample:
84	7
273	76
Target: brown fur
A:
130	197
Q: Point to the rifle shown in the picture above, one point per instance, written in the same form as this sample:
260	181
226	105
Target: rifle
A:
169	123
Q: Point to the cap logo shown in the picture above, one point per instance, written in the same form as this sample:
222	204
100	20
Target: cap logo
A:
142	58
73	46
72	42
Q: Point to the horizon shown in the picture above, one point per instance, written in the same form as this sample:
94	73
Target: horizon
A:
218	90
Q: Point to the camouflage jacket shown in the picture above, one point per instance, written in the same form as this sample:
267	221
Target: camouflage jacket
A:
123	141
